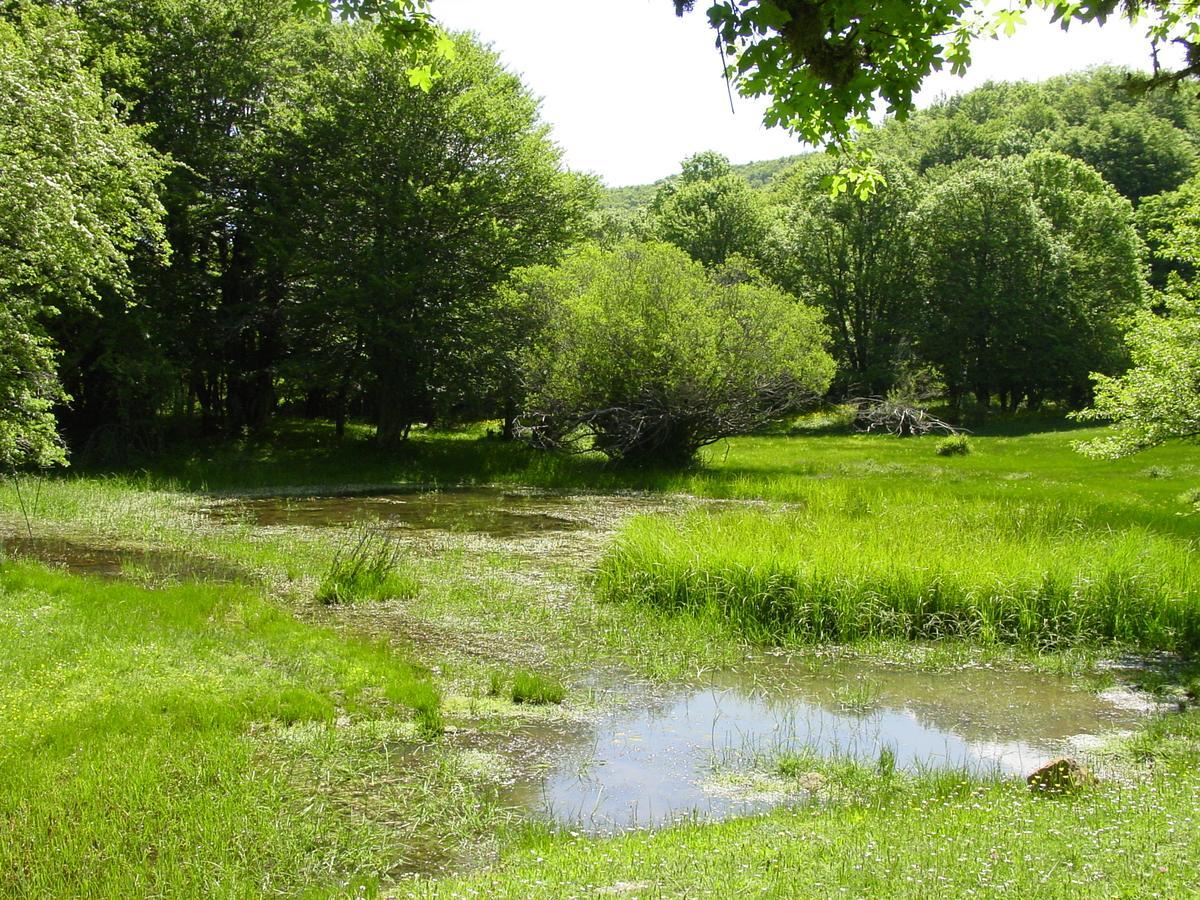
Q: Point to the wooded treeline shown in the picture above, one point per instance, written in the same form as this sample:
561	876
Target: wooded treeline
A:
304	225
213	211
1002	259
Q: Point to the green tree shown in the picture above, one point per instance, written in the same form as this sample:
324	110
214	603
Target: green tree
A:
1137	153
709	212
648	356
216	84
1158	398
420	202
77	197
1030	268
853	259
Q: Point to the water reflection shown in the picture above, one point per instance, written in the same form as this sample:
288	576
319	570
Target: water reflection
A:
651	763
486	510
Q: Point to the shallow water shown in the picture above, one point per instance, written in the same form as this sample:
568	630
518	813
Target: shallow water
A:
687	751
485	510
117	562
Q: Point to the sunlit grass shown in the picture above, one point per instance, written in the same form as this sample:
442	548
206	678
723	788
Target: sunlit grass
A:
134	731
849	566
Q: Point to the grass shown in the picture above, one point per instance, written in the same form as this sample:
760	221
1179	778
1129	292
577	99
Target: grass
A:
201	739
533	688
370	567
953	445
135	736
874	832
852	565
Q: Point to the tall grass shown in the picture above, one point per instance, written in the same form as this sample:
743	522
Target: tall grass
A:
370	567
850	566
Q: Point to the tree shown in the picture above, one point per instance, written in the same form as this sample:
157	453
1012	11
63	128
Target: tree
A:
1029	269
216	84
1159	397
77	196
709	212
419	203
647	356
1140	142
853	259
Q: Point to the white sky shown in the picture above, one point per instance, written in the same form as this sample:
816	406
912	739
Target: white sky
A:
630	89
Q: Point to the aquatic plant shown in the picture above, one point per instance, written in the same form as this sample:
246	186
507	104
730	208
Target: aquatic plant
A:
371	567
534	688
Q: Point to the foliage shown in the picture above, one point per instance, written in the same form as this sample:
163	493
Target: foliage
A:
1029	268
709	212
1159	398
77	197
825	65
853	259
650	357
1140	143
402	251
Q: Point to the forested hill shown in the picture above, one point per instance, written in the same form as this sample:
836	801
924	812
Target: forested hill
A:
1143	144
759	174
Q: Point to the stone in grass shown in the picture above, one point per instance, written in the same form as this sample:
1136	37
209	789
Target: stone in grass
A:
1060	776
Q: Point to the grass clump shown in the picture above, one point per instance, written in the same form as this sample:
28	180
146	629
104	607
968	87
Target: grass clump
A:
373	567
533	688
953	445
850	567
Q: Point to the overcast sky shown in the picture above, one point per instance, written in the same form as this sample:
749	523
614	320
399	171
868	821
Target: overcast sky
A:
632	90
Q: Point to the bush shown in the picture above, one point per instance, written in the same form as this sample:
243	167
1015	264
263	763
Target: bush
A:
647	356
953	445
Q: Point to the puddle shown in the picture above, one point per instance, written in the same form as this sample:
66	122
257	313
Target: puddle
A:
114	562
689	752
484	510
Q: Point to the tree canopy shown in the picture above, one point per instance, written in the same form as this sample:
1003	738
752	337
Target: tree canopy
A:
77	198
702	354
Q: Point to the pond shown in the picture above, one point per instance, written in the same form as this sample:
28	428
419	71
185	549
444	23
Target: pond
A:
708	750
117	562
483	510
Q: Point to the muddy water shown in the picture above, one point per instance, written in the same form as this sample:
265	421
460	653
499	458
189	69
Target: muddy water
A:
116	562
706	750
492	511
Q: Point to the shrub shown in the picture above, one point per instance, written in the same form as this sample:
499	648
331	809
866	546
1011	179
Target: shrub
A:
371	568
647	356
953	445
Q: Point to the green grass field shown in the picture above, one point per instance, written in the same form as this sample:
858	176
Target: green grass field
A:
278	736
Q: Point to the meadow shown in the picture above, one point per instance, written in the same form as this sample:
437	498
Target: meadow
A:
301	729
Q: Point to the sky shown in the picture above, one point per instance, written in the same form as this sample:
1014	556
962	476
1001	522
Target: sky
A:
630	90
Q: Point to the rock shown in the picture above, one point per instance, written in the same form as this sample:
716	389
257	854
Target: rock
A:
1060	776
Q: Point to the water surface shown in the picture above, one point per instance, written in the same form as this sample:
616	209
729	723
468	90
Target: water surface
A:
687	751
